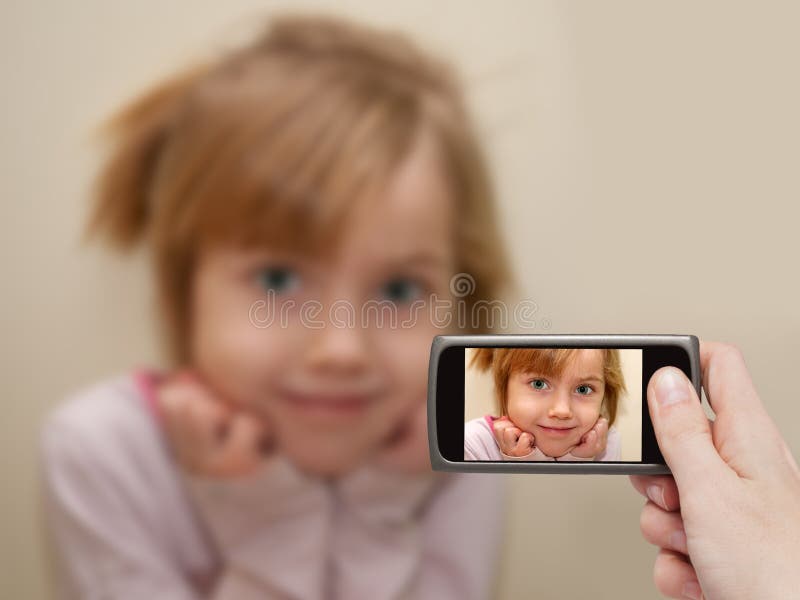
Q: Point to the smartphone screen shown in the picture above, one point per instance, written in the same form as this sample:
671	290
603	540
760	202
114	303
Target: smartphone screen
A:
566	401
560	404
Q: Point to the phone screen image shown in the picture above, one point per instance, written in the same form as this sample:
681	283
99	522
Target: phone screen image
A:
549	403
540	404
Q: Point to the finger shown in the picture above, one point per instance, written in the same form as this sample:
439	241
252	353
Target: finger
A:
499	426
185	375
594	437
600	444
661	489
663	528
174	410
682	429
412	429
208	418
602	435
181	412
499	435
583	439
727	381
752	441
240	453
674	576
509	437
399	434
203	431
172	398
525	442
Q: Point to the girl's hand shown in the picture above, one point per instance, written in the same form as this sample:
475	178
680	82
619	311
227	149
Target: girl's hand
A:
593	441
208	436
511	439
406	450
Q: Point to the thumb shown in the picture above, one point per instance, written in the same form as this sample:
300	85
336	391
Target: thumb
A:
682	428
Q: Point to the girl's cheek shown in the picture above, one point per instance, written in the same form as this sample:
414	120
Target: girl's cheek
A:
519	413
590	415
405	351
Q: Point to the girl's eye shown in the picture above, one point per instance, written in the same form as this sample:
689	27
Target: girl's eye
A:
278	279
401	290
538	384
584	390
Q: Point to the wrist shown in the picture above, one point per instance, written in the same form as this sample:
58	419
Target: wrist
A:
530	455
569	456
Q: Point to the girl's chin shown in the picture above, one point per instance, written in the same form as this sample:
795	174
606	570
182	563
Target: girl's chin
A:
325	461
556	450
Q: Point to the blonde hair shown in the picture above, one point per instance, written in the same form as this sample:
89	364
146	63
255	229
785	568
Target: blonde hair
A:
270	144
504	362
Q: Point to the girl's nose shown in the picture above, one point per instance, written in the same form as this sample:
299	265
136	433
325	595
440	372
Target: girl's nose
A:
561	408
338	347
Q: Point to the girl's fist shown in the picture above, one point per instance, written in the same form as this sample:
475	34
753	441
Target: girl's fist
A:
511	439
593	442
208	436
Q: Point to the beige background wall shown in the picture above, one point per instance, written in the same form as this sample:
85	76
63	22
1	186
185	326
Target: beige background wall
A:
646	155
479	400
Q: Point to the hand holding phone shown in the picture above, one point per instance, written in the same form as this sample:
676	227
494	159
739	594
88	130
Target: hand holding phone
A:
727	522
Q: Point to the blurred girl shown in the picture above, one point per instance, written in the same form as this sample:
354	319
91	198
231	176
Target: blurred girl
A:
555	404
320	169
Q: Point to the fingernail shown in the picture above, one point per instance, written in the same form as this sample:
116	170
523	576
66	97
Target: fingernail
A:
678	541
656	494
691	590
671	388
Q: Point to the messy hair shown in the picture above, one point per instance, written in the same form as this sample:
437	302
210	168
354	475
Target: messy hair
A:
504	362
271	143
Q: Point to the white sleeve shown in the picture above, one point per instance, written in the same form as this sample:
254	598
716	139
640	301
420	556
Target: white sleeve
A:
479	442
613	449
103	549
569	457
534	455
463	528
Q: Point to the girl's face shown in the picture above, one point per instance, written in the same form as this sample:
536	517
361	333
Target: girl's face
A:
330	379
558	410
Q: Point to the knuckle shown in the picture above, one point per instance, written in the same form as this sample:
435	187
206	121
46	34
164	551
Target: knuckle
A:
689	434
662	577
172	401
644	523
731	352
648	522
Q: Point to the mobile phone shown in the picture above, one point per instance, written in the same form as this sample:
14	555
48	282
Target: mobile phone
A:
526	403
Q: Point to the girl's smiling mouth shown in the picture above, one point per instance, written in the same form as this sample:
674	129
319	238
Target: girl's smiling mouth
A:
556	431
328	403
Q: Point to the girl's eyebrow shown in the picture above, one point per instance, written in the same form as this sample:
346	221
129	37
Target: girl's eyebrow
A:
590	378
433	259
583	378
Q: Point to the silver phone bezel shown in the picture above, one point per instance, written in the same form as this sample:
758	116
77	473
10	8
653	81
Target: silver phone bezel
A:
689	343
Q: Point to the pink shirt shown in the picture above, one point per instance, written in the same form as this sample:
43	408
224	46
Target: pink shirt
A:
128	524
480	444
